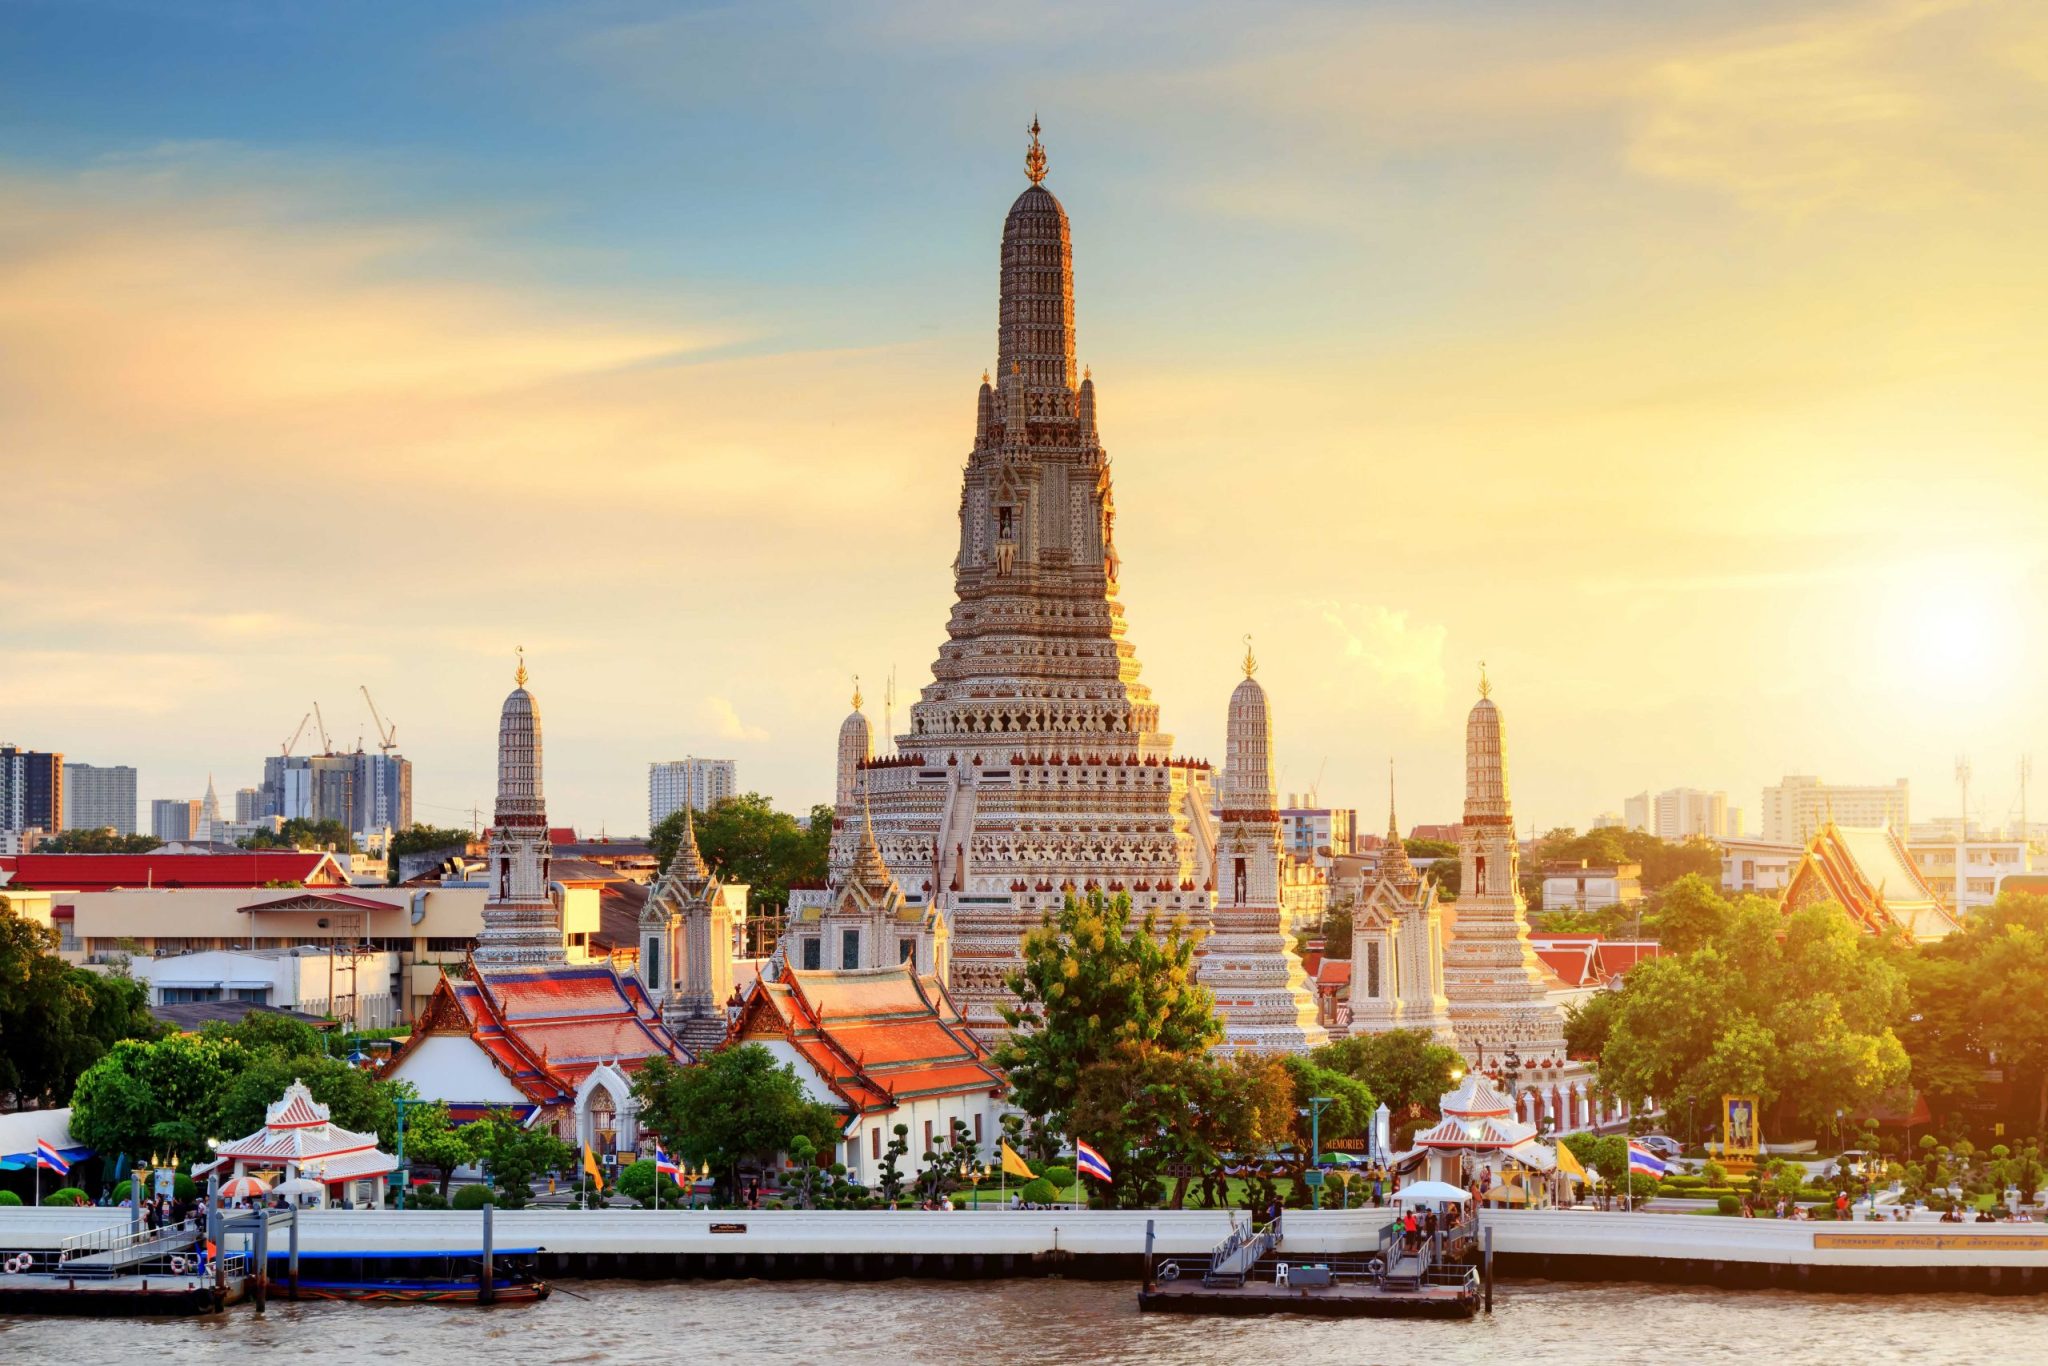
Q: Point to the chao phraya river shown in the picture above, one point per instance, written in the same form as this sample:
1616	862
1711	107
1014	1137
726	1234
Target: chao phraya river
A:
971	1324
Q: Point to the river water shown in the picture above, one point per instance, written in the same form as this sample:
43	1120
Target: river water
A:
1059	1321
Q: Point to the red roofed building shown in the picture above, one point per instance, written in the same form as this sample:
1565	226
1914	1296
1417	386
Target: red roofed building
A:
1868	873
559	1043
885	1047
105	872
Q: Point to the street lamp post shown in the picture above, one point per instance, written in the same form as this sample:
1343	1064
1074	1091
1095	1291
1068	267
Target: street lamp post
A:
1315	1143
404	1177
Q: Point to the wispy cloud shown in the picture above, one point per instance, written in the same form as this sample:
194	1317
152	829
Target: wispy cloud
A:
722	719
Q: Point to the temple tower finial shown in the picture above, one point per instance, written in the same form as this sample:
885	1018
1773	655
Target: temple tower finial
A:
856	692
519	674
1034	159
1251	663
1485	687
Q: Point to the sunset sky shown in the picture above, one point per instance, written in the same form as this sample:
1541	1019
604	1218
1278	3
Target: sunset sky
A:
1686	362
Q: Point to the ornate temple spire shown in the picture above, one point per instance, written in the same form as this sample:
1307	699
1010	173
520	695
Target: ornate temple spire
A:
1394	864
1251	663
1486	762
1249	783
869	872
1035	323
688	864
522	924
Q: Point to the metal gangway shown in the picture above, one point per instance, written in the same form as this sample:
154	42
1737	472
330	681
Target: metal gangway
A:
116	1248
1233	1258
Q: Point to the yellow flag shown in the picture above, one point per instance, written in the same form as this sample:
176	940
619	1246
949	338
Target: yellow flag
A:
1014	1164
1568	1163
590	1165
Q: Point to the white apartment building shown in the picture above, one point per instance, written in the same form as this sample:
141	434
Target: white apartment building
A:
1802	803
1965	871
1685	812
1313	833
1639	812
1758	865
693	782
361	986
99	797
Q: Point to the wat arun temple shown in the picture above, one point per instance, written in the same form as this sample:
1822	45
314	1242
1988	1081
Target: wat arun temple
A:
1034	766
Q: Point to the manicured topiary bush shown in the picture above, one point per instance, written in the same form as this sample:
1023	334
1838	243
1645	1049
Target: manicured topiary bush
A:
1729	1204
1038	1191
472	1197
66	1196
9	1198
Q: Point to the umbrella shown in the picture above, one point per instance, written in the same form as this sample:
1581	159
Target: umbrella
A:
299	1185
1431	1190
243	1188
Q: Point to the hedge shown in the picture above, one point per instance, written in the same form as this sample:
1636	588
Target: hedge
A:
182	1186
9	1198
67	1195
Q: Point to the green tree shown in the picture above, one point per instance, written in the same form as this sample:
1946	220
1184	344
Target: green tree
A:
1796	1007
350	1094
736	1106
97	842
433	1140
419	839
1402	1067
299	833
1335	934
1980	992
748	841
158	1098
514	1155
57	1020
1692	915
1092	981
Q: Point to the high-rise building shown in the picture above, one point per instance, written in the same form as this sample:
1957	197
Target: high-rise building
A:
380	793
311	787
1686	812
174	821
1802	803
1034	765
249	805
1639	812
99	798
31	789
699	784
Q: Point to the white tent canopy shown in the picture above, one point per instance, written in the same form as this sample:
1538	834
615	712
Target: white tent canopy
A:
1423	1191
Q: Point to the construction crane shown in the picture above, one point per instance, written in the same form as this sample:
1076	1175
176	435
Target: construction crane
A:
387	736
296	734
326	744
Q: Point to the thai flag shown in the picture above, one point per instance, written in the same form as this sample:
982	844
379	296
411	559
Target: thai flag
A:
664	1165
48	1158
1089	1162
1643	1162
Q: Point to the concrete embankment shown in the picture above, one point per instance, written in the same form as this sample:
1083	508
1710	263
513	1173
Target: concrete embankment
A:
859	1245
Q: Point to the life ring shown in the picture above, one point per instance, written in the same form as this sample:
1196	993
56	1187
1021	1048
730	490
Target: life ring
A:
1375	1267
19	1263
1169	1271
180	1264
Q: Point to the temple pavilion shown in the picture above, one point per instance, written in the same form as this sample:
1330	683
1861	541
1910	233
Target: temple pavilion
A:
299	1142
1479	1139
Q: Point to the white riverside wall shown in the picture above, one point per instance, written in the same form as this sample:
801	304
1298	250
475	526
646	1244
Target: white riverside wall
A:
1647	1238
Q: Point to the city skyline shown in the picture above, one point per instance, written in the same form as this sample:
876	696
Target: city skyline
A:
1711	436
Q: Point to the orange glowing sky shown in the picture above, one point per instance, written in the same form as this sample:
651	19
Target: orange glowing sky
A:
1683	362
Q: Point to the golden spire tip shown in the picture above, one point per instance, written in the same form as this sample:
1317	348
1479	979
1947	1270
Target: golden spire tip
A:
1251	664
519	675
1034	159
1485	687
856	692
